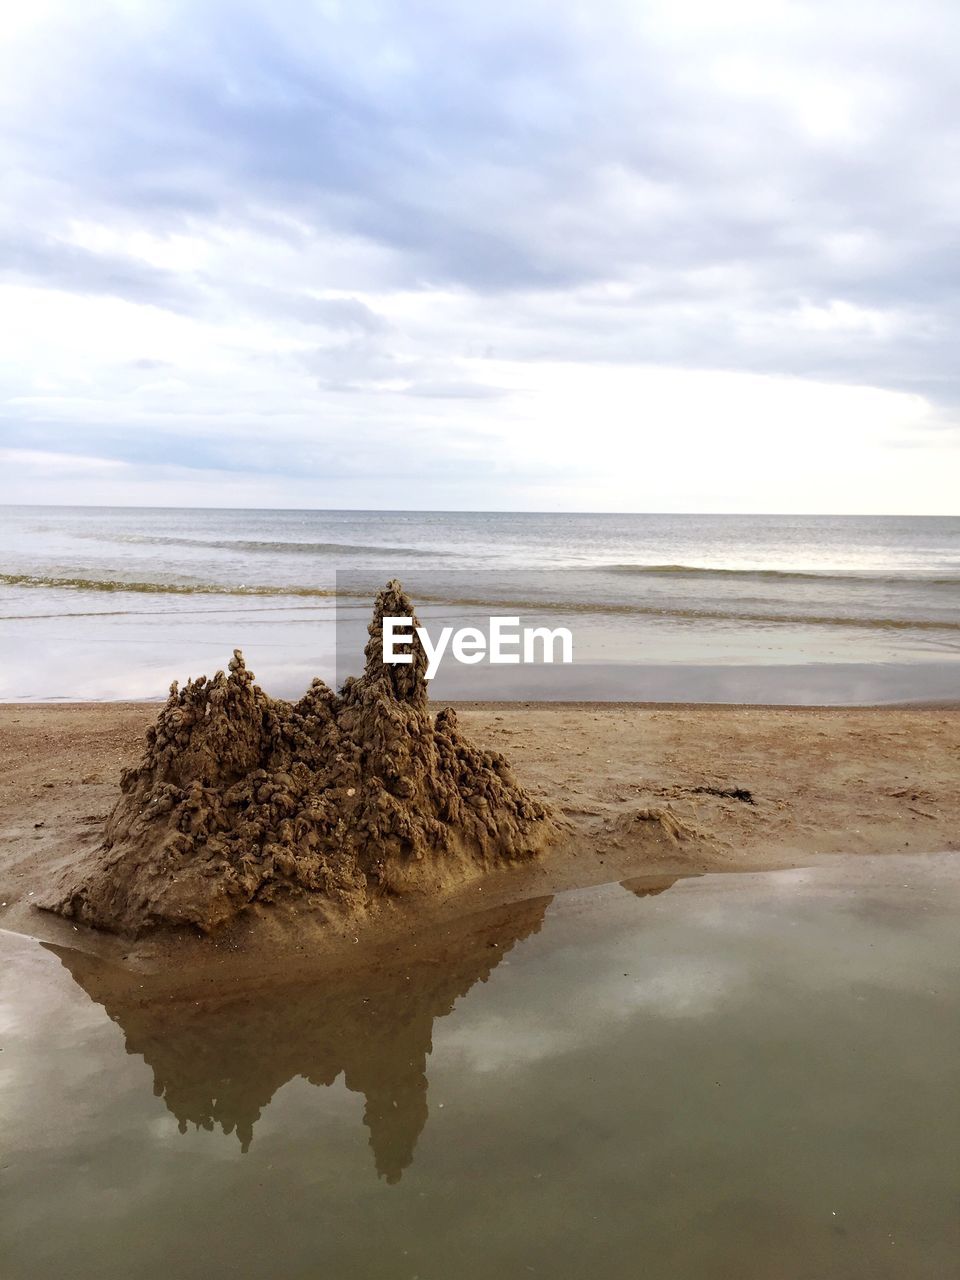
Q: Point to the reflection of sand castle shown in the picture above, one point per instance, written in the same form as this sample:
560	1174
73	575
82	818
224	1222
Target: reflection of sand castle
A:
220	1061
650	886
241	798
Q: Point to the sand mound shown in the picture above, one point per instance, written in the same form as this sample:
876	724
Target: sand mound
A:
241	798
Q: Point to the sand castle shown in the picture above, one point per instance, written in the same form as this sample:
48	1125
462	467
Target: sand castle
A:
241	799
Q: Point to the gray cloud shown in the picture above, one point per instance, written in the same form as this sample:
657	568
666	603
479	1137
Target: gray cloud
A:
525	148
340	315
30	258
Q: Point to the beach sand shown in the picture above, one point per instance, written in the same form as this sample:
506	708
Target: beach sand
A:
646	794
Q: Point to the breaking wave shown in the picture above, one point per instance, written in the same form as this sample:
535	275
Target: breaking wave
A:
158	588
921	577
282	548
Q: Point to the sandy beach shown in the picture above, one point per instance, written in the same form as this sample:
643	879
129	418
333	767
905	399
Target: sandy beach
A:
642	791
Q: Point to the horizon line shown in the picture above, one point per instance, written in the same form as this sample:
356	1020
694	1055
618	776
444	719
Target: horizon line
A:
491	511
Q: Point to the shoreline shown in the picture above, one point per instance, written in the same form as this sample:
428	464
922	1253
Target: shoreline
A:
648	790
812	684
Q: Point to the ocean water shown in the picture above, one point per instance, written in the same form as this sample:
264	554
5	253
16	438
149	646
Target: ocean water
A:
734	1077
114	603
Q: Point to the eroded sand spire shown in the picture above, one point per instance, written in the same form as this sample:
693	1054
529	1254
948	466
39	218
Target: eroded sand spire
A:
241	798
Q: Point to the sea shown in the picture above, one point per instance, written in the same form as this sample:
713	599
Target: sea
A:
115	603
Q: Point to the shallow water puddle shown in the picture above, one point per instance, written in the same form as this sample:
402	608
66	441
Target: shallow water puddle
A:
744	1076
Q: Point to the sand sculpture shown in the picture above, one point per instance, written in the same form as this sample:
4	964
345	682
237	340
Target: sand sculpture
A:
333	800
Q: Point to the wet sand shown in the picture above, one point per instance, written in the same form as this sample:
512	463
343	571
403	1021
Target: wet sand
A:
643	791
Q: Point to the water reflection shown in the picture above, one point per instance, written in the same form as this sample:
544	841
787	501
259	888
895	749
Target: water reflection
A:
650	886
218	1061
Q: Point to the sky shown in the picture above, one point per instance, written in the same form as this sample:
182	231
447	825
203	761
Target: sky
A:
670	255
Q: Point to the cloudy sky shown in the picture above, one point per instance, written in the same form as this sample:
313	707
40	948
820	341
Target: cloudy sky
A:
674	255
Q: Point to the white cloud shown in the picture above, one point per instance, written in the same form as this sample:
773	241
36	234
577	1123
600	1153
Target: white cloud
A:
27	462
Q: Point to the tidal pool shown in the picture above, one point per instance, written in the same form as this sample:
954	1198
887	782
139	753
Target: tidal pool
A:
726	1076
